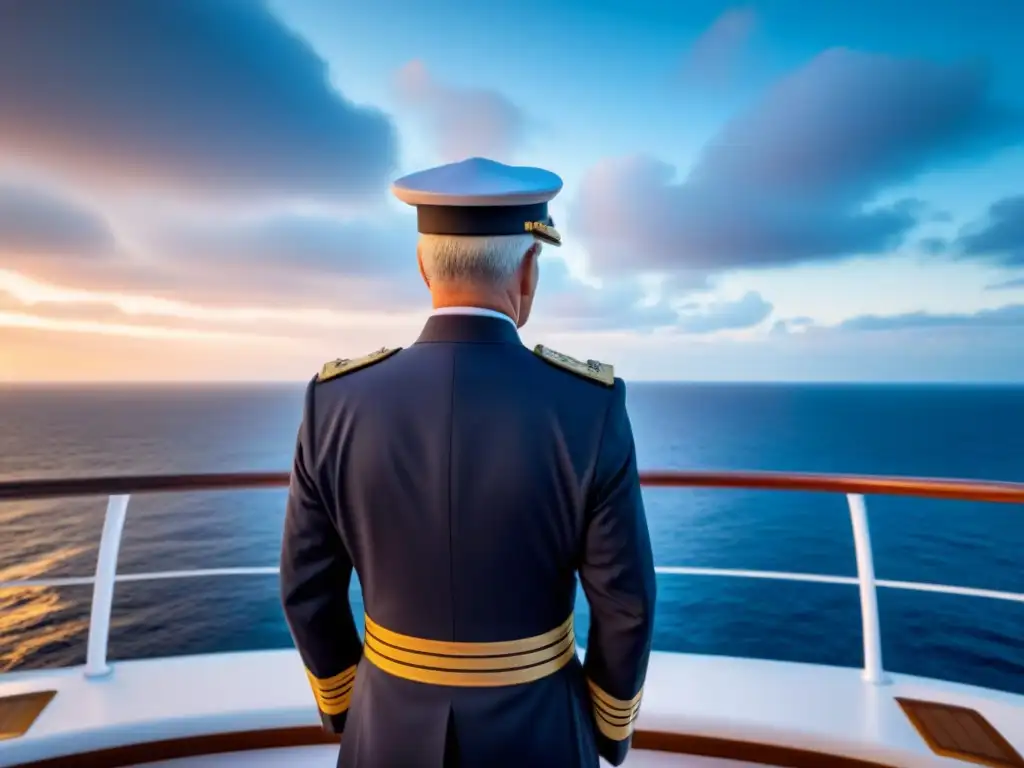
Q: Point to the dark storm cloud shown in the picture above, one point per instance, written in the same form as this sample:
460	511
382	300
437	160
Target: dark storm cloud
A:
211	95
36	223
1001	238
794	178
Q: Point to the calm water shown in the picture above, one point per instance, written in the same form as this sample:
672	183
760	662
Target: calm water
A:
964	432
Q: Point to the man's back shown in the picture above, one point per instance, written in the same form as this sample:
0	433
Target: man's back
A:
467	481
461	492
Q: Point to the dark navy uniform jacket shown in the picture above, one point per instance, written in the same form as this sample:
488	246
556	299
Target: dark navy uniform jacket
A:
468	480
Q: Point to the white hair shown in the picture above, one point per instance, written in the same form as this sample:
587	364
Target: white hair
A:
487	260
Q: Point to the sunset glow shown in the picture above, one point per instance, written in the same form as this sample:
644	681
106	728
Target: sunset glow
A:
729	214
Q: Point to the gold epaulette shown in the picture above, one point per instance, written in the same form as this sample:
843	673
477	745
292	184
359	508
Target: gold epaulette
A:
341	366
592	369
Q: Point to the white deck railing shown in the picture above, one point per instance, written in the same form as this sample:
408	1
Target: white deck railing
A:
106	575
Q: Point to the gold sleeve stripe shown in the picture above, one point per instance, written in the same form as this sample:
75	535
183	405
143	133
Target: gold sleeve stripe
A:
622	705
437	662
615	718
614	732
333	694
622	718
336	681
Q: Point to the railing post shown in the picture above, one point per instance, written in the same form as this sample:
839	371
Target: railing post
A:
874	672
103	587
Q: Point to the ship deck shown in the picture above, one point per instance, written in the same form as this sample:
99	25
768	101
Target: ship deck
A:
327	757
255	708
746	710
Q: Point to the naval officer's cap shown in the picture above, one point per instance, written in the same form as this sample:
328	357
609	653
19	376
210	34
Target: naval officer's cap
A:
481	198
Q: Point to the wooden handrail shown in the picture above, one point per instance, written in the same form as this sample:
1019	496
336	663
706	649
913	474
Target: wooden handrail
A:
920	487
931	488
24	490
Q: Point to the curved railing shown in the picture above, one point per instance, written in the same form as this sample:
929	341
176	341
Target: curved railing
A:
855	487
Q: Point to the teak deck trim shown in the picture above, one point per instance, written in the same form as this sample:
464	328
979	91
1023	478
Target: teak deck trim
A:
964	734
273	738
19	711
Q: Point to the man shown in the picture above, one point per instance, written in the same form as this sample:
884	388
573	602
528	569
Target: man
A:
467	480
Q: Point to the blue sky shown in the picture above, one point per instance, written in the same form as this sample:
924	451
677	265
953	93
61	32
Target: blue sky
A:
758	191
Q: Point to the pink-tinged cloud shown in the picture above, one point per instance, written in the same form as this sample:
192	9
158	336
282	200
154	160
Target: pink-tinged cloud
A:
795	177
461	122
219	271
213	97
38	224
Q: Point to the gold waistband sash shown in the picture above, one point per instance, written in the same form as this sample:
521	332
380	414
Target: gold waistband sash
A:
440	662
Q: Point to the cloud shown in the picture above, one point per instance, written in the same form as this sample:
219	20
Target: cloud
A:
790	325
746	312
284	257
35	223
567	304
1009	316
289	258
1017	282
223	271
33	304
713	57
934	246
285	269
1001	238
462	122
794	178
217	97
324	244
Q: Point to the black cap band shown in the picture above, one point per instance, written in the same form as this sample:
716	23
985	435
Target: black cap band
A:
480	221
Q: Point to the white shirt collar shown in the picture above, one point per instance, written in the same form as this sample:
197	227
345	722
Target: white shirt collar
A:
480	311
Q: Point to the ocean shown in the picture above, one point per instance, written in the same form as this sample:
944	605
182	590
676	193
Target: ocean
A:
968	432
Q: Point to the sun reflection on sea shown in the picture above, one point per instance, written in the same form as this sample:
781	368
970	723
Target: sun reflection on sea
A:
27	613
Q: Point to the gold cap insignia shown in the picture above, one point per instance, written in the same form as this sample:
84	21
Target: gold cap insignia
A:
341	366
544	232
591	369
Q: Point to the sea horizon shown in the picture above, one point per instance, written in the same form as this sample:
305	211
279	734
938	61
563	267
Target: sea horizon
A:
927	383
937	429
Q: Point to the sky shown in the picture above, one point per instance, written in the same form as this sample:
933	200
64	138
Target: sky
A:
198	190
